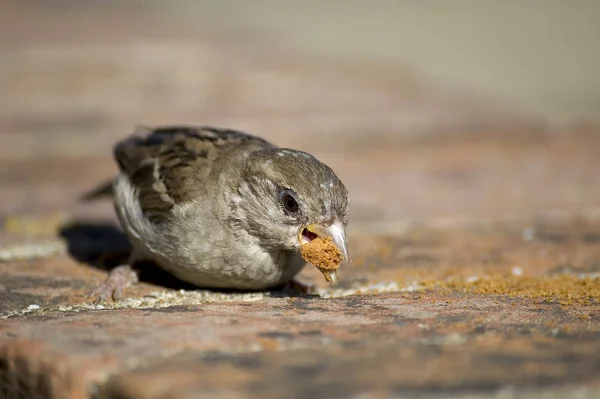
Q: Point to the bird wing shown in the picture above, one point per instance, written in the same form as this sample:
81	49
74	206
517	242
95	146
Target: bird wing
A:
171	165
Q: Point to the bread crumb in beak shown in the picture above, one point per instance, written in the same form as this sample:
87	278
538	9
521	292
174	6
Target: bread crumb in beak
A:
325	255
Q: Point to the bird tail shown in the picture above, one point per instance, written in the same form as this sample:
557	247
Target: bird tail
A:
103	190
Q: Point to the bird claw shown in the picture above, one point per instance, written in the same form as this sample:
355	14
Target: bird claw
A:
119	278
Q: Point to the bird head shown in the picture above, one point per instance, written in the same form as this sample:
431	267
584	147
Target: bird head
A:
290	198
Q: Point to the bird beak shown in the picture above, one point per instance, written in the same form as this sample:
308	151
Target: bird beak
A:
337	232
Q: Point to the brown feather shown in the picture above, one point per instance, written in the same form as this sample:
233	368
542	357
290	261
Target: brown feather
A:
170	166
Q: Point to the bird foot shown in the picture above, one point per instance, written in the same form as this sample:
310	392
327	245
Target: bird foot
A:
119	278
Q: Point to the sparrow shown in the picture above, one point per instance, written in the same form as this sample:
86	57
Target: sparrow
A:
220	208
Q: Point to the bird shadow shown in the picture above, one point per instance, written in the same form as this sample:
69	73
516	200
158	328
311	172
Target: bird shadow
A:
104	246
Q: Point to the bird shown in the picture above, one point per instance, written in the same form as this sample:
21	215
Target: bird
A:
221	208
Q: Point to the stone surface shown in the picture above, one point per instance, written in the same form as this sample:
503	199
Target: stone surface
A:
475	231
330	347
409	317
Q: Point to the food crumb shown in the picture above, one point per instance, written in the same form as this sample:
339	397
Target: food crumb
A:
565	289
322	253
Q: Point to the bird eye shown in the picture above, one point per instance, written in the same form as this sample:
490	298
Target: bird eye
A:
289	203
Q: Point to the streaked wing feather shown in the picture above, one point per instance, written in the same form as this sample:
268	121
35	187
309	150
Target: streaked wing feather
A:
170	165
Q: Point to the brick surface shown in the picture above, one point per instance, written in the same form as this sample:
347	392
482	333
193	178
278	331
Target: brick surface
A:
388	342
475	231
430	332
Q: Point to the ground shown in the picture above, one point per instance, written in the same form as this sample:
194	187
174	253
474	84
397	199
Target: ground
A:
474	233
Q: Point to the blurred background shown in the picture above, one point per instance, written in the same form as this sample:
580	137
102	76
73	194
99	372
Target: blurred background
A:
434	112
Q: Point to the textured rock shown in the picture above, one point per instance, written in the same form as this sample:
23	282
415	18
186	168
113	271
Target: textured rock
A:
423	335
